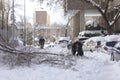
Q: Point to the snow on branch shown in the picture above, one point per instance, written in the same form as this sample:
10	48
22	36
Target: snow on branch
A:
93	3
116	17
12	57
114	8
111	22
96	5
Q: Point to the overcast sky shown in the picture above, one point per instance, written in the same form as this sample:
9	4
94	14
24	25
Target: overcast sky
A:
30	8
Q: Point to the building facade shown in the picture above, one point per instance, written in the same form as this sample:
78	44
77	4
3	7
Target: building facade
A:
41	18
78	21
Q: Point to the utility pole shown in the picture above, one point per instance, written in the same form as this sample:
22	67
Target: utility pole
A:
13	20
25	36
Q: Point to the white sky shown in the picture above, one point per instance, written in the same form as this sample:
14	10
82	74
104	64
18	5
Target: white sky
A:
30	8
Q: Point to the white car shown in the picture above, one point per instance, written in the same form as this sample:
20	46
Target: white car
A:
108	46
93	43
89	46
63	41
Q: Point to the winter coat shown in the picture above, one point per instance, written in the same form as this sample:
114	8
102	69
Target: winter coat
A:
41	41
77	47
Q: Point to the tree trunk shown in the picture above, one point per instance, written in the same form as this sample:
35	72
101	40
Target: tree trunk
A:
2	14
109	30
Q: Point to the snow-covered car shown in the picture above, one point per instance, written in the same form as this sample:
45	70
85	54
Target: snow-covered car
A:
116	52
92	33
93	43
110	42
52	44
89	46
109	38
108	46
63	41
82	39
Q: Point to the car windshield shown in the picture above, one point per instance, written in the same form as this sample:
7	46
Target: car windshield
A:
111	44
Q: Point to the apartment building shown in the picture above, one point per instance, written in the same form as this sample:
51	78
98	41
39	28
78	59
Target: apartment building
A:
41	18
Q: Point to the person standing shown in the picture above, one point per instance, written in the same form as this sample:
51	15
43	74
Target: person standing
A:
77	48
41	42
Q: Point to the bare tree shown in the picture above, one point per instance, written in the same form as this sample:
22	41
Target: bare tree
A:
105	10
2	13
6	9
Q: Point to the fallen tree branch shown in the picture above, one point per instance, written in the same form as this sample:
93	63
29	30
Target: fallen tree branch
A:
14	57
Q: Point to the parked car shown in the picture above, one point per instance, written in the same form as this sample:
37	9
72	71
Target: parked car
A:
116	52
93	43
82	39
63	41
108	46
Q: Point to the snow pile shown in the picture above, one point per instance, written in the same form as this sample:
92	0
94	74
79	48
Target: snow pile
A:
92	66
95	39
90	32
112	37
95	66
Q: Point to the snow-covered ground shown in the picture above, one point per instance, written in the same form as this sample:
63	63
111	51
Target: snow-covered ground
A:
93	66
